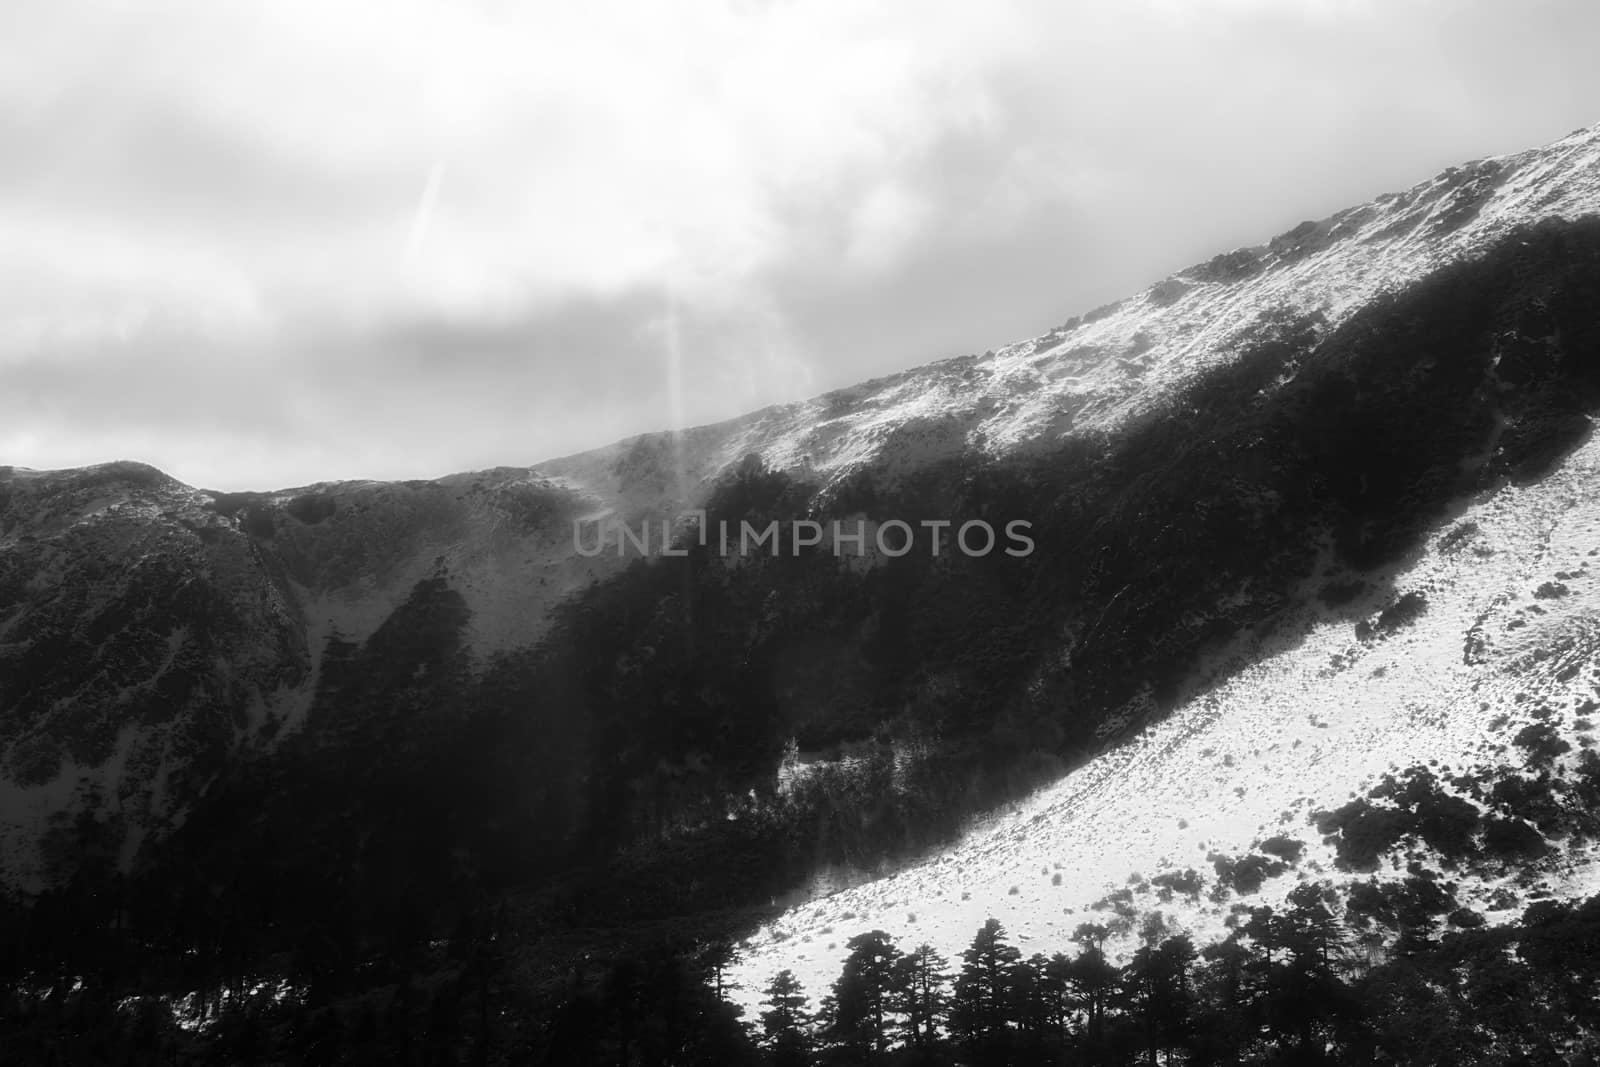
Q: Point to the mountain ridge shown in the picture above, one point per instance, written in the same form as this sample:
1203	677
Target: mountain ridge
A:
247	662
1563	173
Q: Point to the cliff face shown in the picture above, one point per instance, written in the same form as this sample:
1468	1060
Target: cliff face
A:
1251	436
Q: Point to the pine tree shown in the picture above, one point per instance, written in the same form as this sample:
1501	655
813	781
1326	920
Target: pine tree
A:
1157	982
1307	996
714	958
863	995
1056	988
919	994
785	1020
1031	1001
1093	978
982	1008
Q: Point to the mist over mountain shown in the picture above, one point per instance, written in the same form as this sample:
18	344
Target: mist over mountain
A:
1305	514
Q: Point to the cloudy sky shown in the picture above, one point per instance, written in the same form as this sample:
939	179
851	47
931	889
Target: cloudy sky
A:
265	244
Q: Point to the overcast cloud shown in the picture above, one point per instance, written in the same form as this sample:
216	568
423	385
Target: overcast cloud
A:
268	244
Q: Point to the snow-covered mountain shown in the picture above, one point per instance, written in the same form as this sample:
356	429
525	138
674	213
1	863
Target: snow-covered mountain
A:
1098	369
1499	631
1221	475
1494	625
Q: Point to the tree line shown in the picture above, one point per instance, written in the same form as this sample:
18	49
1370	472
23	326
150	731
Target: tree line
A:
1287	985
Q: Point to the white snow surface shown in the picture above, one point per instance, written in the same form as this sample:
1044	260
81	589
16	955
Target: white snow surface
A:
1093	374
1309	726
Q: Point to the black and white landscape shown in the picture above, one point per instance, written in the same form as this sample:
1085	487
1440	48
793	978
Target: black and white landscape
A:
1264	728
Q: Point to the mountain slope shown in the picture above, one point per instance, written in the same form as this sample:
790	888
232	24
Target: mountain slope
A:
152	634
1096	370
1502	632
380	694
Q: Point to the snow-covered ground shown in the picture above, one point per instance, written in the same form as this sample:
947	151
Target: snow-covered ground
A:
1095	372
1307	727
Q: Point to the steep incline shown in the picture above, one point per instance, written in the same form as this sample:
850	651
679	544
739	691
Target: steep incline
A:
1492	629
154	638
1096	370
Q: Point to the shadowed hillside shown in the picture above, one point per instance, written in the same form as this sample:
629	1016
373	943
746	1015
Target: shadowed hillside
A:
355	738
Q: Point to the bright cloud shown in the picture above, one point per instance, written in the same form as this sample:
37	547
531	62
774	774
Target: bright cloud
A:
405	238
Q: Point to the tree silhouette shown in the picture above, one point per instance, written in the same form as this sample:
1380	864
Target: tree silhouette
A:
1093	980
981	1009
1157	982
920	979
784	1022
864	995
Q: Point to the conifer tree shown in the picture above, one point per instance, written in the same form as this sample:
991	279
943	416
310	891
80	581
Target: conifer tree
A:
784	1022
1093	978
919	994
982	1006
1157	982
863	997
